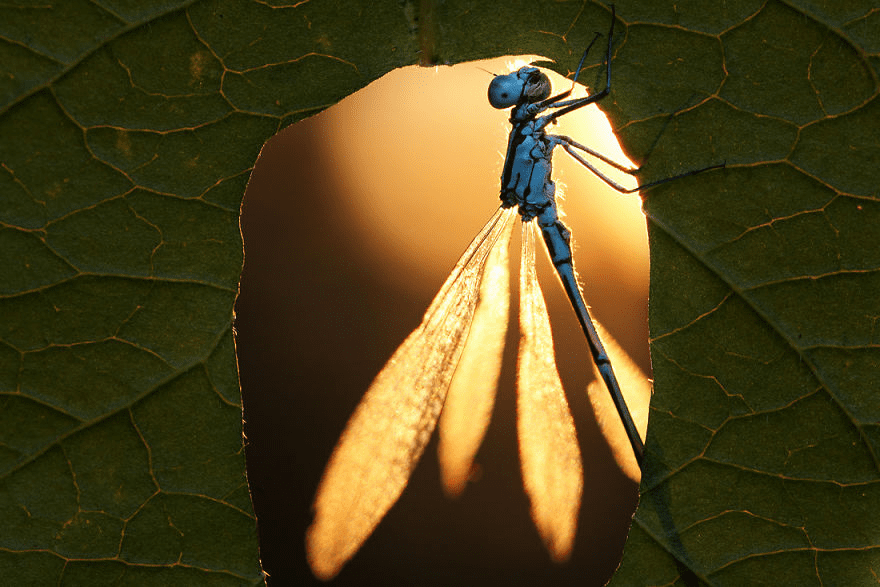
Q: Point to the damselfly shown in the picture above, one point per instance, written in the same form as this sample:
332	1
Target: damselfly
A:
451	362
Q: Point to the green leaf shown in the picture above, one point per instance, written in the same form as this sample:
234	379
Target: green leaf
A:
123	167
764	428
129	132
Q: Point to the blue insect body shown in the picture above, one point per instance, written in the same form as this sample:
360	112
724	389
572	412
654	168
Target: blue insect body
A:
526	183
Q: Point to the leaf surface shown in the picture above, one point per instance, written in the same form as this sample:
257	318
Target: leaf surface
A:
128	134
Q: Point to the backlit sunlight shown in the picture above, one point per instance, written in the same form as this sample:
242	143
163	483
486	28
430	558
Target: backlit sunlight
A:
452	361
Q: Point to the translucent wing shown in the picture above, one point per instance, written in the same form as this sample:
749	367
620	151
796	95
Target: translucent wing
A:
636	389
471	396
549	453
387	433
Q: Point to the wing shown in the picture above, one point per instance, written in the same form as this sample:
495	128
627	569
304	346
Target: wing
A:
549	453
471	396
386	435
636	389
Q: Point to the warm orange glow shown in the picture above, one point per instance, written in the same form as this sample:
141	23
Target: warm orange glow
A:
423	175
420	153
548	448
383	440
516	63
471	396
636	389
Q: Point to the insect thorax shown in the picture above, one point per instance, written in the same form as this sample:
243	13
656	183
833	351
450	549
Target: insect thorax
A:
527	181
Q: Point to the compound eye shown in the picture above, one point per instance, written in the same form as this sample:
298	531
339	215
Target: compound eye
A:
505	91
537	88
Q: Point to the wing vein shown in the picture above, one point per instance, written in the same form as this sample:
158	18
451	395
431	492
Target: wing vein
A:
387	434
549	452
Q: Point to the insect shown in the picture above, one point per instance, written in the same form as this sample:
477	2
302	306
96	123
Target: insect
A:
451	362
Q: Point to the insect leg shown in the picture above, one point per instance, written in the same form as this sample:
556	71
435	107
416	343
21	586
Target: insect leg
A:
575	104
570	145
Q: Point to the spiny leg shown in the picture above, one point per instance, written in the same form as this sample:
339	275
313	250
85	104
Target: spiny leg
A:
568	143
569	146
